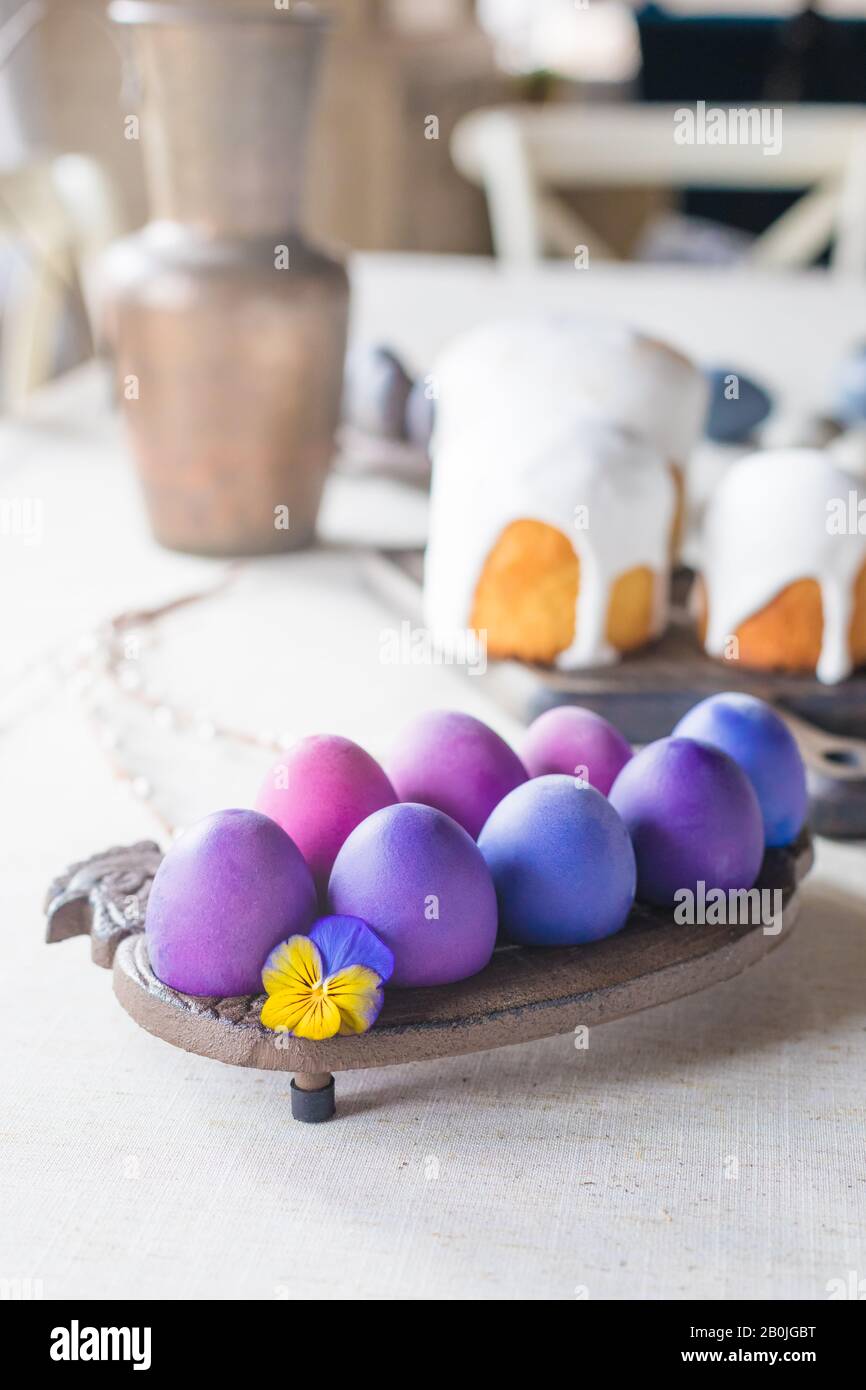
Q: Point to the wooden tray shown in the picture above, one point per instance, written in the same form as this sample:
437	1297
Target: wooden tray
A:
523	994
647	693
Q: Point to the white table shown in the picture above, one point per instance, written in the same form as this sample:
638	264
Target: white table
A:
712	1148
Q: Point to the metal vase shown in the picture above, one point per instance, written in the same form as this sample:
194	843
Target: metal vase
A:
229	328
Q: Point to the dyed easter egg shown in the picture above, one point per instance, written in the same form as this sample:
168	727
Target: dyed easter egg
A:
848	450
751	732
419	881
376	389
420	415
457	764
693	816
231	888
562	863
850	396
318	792
577	742
737	405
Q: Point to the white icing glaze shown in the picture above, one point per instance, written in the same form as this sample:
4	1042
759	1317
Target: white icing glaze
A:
605	369
514	440
708	464
767	525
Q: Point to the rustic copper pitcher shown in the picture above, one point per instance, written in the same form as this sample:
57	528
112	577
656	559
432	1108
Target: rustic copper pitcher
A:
228	327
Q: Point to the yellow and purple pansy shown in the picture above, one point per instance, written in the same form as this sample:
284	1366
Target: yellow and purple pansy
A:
328	982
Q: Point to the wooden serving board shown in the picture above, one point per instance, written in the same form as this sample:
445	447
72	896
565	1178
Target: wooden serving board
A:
524	993
647	693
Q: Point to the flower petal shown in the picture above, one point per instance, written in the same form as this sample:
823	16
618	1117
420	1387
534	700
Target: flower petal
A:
294	964
357	993
284	1009
345	941
321	1020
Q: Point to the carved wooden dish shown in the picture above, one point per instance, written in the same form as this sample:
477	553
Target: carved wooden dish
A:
523	994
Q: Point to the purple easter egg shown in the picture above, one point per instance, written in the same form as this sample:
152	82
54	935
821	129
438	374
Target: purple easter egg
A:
420	882
562	863
376	389
226	893
752	733
693	817
579	743
318	792
457	764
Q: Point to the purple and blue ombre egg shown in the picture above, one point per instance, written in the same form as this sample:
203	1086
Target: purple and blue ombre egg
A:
455	763
420	882
578	742
562	863
227	892
693	817
754	735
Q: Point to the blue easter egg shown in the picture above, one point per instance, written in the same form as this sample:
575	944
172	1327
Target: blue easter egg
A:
850	397
562	863
751	733
737	405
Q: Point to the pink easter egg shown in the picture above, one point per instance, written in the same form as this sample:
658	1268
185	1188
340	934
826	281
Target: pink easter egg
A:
318	791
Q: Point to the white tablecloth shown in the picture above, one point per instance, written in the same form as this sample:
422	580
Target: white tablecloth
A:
711	1148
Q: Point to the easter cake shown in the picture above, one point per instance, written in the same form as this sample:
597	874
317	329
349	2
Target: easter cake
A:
782	580
558	451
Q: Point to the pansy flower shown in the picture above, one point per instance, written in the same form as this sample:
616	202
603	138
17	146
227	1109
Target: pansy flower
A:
328	982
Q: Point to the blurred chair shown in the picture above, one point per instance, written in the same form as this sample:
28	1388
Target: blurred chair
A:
57	217
524	157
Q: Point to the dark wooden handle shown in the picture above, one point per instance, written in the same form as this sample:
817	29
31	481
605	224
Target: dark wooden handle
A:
836	775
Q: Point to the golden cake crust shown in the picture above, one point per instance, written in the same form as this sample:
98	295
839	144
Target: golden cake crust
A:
526	597
786	634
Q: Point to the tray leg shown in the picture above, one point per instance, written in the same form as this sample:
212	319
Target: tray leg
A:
313	1097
